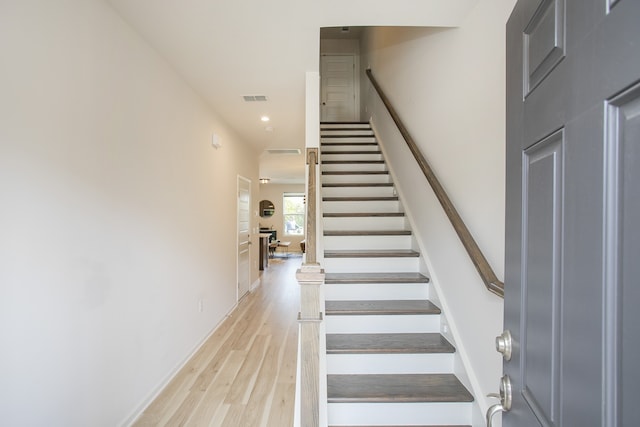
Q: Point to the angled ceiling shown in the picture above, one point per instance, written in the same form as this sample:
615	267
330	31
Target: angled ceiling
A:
226	49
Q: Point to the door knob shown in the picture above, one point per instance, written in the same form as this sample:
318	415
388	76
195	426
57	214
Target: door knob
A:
504	345
505	397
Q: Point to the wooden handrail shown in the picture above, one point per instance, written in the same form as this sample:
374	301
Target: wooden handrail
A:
477	257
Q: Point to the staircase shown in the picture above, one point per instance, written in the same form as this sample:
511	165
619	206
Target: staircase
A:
387	363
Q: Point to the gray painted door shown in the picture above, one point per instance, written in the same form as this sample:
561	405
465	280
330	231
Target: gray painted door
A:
572	280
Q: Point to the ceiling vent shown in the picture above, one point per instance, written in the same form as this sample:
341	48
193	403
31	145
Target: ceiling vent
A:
253	98
283	151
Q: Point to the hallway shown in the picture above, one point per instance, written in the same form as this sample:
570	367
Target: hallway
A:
244	374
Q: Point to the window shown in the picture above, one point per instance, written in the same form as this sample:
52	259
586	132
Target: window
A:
293	211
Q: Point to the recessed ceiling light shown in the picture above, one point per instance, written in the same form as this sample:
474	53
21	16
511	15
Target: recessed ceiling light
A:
264	118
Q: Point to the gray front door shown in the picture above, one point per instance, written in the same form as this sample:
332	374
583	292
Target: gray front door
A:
572	279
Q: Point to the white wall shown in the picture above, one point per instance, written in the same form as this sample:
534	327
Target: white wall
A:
274	192
117	216
448	87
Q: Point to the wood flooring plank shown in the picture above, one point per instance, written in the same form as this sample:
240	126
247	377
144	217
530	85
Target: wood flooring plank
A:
281	414
243	383
262	392
213	398
233	416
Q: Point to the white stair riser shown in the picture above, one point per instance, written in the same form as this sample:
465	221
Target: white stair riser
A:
325	126
365	223
361	178
358	191
361	206
349	139
418	363
371	265
367	242
350	157
376	291
409	323
352	146
399	413
354	167
350	132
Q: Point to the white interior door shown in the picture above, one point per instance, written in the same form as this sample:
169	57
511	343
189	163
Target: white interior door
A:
244	236
338	88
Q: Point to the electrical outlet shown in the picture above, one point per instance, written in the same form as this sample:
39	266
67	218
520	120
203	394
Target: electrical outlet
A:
200	305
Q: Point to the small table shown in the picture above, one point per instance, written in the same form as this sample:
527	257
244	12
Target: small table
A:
273	246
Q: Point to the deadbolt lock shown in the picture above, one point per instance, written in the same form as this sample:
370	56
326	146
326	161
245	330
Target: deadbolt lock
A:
504	345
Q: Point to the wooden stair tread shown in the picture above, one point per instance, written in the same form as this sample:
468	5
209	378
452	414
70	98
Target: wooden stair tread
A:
350	152
344	123
367	133
341	144
352	162
396	388
349	278
388	343
431	425
372	253
361	199
358	184
355	172
367	232
380	307
359	214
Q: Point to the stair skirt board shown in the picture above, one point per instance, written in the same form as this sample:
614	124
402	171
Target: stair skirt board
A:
387	364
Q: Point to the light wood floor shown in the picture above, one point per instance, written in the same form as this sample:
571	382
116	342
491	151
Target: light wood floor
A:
244	375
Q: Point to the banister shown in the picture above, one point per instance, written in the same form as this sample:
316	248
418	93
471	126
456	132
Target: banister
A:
310	276
311	245
477	257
